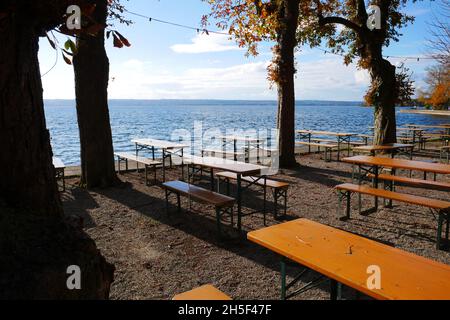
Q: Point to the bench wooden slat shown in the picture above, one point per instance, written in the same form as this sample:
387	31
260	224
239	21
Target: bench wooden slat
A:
324	145
206	292
413	181
407	198
133	157
238	153
269	183
345	257
199	194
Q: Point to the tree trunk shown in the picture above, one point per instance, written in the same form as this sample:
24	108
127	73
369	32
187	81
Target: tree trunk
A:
288	15
383	91
37	244
27	175
91	66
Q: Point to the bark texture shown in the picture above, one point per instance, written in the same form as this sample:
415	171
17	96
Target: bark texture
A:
37	244
91	67
285	61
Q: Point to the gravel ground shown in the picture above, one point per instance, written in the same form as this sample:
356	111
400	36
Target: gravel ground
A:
157	256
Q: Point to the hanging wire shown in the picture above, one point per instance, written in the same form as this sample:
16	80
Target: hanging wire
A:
150	19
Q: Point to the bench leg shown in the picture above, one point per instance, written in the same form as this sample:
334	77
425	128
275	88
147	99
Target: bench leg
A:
335	290
167	201
64	179
275	202
264	205
283	279
219	228
146	175
179	203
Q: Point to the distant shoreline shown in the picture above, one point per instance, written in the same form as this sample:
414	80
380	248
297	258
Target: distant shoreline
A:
136	102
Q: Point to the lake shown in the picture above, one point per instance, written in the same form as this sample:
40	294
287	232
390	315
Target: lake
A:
166	119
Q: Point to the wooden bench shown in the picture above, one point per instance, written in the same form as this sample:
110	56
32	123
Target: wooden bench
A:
224	154
328	147
206	292
279	188
442	208
444	150
125	156
345	258
432	184
223	204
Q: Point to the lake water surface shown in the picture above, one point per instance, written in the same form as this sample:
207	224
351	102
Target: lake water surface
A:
159	119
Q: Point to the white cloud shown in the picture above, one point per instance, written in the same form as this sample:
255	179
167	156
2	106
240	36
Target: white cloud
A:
203	43
325	79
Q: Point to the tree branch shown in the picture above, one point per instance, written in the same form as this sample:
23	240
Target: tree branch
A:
339	20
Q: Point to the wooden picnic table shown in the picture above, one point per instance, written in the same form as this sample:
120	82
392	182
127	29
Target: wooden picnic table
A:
344	258
249	142
341	137
372	165
168	148
241	169
391	148
446	127
60	169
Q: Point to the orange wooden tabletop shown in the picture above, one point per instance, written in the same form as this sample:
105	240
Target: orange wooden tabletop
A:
400	164
345	257
206	292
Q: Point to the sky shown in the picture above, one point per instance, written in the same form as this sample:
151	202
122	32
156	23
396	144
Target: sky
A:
167	62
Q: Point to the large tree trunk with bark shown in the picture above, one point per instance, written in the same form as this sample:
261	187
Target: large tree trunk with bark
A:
285	60
383	95
37	244
91	67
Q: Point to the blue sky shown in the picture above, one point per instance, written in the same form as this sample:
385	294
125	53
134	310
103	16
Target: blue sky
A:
166	62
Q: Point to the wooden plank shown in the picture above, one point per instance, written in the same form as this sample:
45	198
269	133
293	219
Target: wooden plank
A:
327	133
402	197
242	139
133	157
206	292
345	257
58	163
324	145
199	194
400	164
269	183
385	147
412	181
159	144
243	168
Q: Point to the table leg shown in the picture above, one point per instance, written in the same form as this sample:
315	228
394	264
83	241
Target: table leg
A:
182	164
137	154
212	179
339	149
238	200
348	147
375	185
164	164
283	279
309	141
